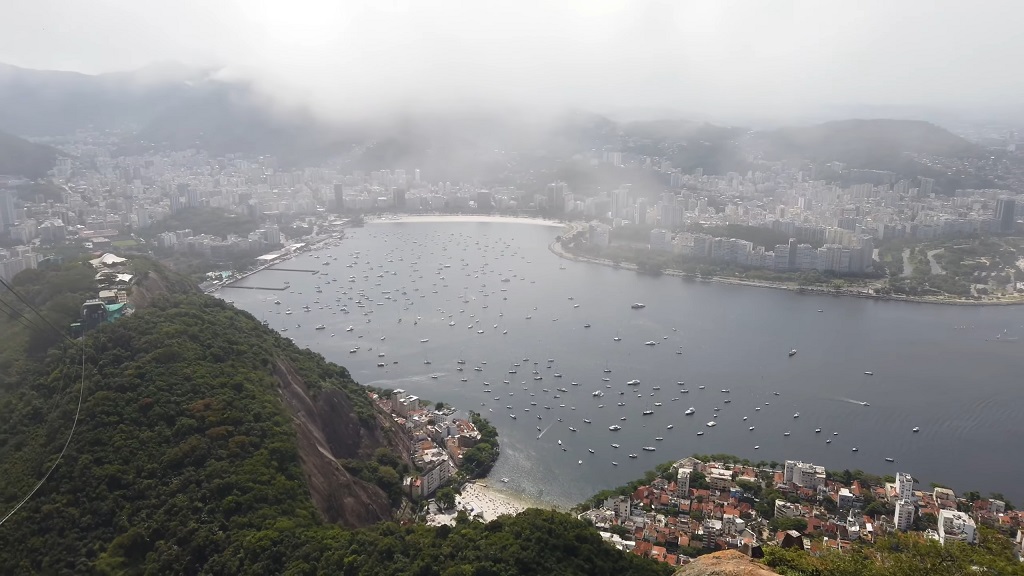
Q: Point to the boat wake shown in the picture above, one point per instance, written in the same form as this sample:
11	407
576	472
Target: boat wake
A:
544	430
384	383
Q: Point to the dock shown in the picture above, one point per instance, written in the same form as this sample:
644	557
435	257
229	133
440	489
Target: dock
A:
282	288
289	270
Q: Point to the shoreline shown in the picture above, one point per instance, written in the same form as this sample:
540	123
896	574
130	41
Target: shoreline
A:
478	497
449	218
558	251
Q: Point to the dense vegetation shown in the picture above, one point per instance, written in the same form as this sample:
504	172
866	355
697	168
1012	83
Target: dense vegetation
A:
23	158
185	462
212	221
902	555
57	293
478	460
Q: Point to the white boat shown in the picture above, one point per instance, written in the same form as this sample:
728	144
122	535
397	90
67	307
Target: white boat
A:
349	329
711	424
854	449
890	459
559	442
758	447
320	327
650	343
637	306
797	415
670	426
648	412
785	433
649	448
504	480
591	450
817	430
916	429
792	352
689	411
615	445
701	433
586	421
615	427
580	462
866	373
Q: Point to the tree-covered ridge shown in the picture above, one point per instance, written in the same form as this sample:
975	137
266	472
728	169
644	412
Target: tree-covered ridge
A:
182	447
57	293
903	555
201	220
534	542
185	461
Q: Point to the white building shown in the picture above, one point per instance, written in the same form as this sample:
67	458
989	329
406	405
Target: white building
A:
435	476
683	483
955	526
904	517
804	474
904	486
660	240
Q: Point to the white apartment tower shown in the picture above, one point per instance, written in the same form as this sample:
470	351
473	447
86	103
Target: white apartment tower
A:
683	483
904	517
904	486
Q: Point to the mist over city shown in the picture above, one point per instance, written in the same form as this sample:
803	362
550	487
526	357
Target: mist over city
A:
451	288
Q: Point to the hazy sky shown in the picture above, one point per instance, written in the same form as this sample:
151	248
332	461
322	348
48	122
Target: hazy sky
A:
711	56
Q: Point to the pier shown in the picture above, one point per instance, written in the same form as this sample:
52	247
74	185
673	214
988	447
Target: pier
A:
282	288
289	270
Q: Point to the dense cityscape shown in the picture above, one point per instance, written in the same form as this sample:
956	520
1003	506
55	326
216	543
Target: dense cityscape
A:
509	289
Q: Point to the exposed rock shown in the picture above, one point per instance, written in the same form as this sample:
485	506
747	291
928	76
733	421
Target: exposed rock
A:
724	563
154	284
327	429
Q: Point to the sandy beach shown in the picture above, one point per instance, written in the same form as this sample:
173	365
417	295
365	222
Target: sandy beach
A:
483	500
464	218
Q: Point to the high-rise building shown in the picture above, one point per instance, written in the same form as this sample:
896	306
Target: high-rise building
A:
339	198
904	486
1005	218
6	209
399	198
683	483
904	516
927	184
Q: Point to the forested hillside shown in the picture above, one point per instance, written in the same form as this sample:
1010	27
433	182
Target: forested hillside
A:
203	448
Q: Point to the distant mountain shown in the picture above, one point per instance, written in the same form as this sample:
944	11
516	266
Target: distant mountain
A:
861	143
19	157
872	144
53	103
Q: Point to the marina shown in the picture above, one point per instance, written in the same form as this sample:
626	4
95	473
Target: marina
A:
437	294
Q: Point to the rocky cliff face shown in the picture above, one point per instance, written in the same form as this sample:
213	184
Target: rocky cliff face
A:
724	563
156	283
328	429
